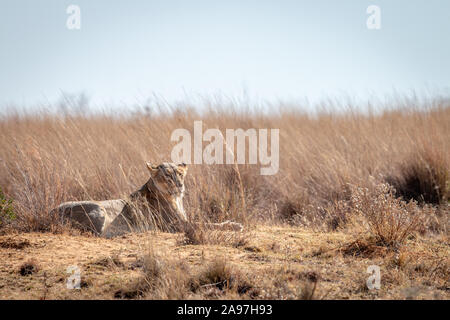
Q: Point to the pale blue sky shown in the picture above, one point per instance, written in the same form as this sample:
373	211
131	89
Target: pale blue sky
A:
127	50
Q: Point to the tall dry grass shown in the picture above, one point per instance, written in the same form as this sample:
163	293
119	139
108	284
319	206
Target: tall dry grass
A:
46	160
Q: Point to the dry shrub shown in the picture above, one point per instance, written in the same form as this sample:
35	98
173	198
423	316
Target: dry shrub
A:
384	219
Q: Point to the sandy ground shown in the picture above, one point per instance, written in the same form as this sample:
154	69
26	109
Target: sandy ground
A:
277	261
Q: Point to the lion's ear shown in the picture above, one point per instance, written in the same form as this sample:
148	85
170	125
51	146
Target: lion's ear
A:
183	167
151	167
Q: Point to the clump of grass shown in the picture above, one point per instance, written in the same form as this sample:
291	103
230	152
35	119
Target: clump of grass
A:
385	220
160	279
216	274
424	177
164	278
152	273
219	276
29	267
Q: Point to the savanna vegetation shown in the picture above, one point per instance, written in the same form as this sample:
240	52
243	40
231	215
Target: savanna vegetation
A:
354	188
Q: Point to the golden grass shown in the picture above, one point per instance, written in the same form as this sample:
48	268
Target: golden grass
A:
336	173
46	160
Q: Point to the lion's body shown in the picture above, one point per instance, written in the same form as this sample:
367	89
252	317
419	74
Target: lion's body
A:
158	203
105	218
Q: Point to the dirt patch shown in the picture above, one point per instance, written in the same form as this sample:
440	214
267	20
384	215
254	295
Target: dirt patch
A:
117	268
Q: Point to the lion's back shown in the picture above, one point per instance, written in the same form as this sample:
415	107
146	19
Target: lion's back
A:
89	215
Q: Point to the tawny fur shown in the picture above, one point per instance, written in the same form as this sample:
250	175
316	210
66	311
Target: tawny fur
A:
159	202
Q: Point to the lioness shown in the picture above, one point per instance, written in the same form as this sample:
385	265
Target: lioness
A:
159	202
